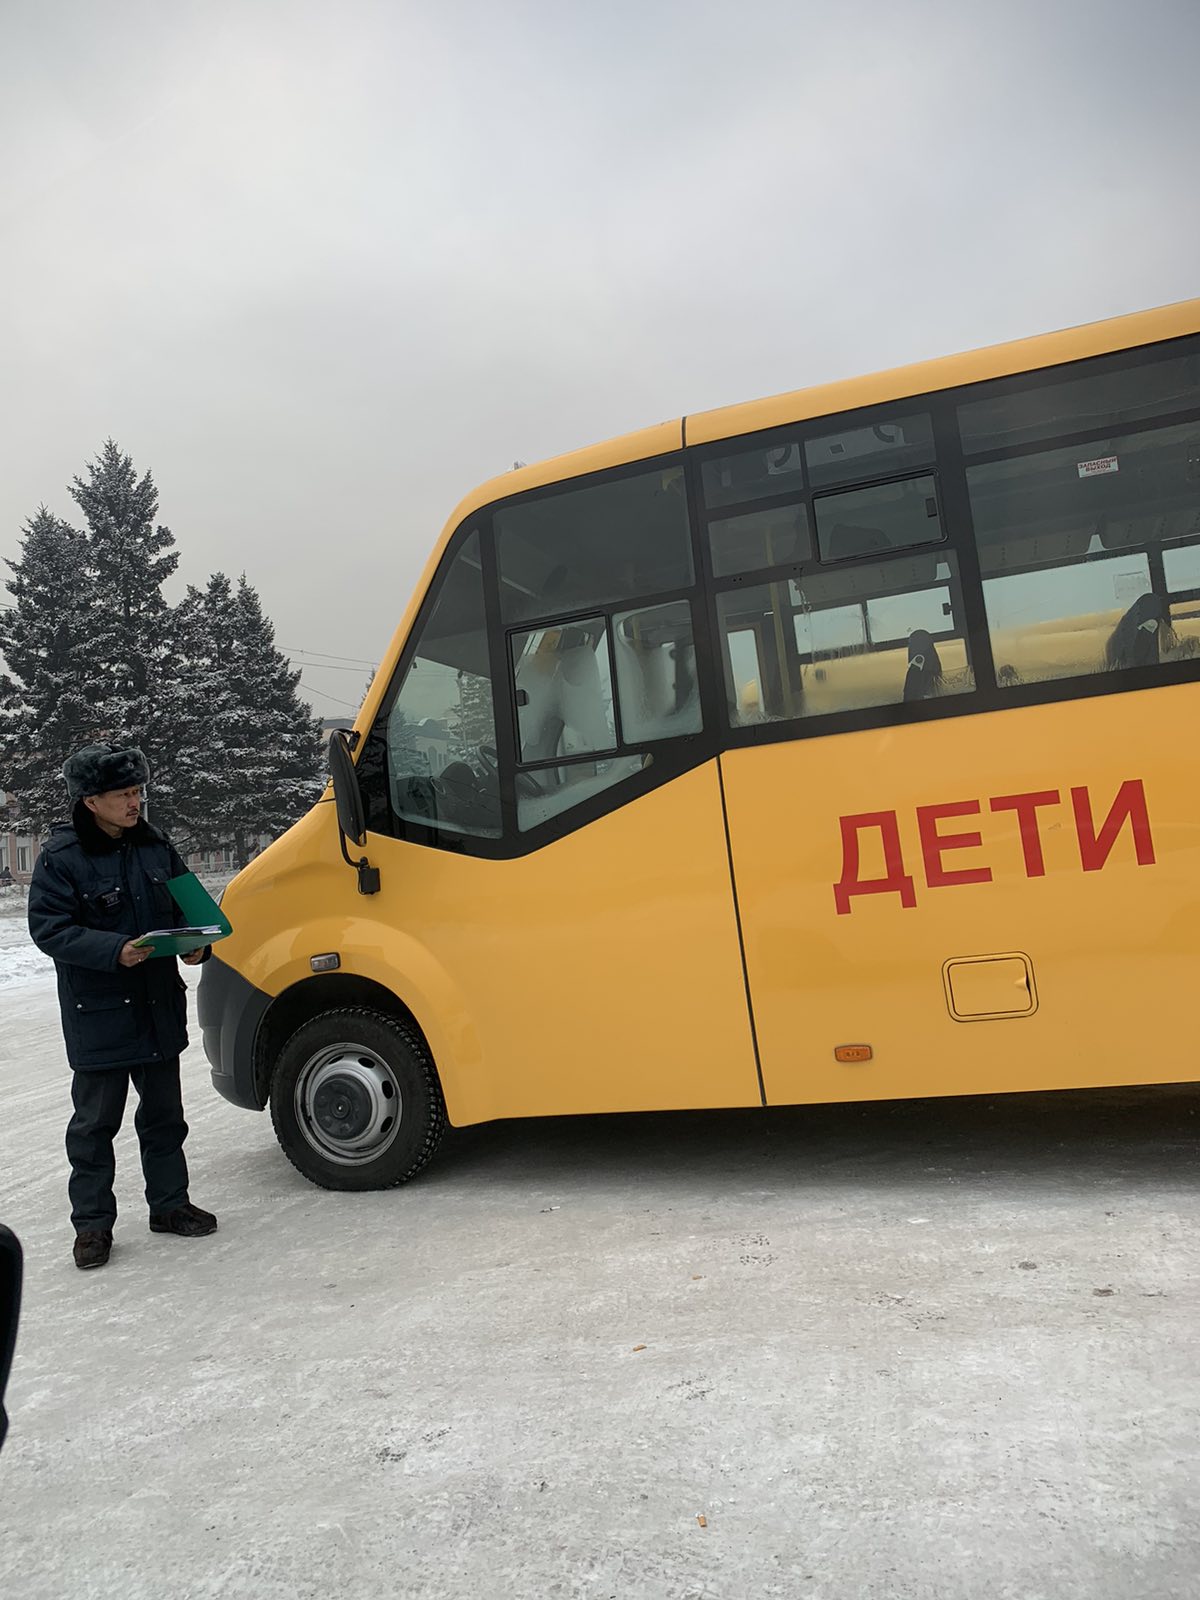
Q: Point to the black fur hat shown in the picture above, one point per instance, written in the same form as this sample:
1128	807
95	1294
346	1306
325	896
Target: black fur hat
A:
97	768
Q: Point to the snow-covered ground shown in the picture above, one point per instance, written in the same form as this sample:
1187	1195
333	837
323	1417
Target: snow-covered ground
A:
20	961
940	1351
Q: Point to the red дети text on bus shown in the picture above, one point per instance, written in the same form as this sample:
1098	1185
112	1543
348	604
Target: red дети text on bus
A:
894	881
1129	806
1026	807
1096	844
934	845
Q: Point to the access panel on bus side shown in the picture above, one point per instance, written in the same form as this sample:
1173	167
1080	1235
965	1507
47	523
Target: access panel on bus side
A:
1062	838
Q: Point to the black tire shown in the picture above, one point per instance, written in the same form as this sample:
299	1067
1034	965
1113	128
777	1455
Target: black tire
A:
333	1087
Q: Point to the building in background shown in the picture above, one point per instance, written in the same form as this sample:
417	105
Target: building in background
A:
18	851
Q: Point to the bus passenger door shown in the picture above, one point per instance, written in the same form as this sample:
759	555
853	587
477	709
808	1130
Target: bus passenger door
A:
850	1006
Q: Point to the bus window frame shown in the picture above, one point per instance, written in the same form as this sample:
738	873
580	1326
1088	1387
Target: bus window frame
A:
944	467
950	463
1066	372
672	758
1111	681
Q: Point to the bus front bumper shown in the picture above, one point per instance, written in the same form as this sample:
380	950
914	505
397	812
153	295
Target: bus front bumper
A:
231	1010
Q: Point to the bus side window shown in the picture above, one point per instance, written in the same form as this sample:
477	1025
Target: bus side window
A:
844	639
567	713
594	544
441	730
1089	554
656	672
564	690
600	642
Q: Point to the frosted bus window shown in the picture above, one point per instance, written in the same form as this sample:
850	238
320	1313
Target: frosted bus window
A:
564	690
549	791
656	673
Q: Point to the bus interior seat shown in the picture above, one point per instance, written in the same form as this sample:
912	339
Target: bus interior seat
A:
656	676
748	705
923	677
1138	639
565	711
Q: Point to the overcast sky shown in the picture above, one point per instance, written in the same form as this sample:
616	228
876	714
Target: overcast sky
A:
323	267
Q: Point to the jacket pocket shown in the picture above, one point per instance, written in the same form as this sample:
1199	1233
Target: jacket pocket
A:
86	1004
104	904
105	1029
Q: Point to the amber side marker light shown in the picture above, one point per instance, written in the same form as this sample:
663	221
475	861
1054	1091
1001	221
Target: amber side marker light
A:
850	1053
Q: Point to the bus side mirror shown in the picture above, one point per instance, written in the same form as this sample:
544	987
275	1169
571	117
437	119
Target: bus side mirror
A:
351	814
10	1311
347	795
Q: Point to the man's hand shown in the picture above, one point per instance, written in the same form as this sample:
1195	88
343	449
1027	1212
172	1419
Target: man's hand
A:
194	957
131	956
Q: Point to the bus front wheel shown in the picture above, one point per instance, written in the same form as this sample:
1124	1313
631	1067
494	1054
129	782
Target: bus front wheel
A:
355	1100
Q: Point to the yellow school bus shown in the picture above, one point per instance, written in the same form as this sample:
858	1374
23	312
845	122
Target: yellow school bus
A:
826	748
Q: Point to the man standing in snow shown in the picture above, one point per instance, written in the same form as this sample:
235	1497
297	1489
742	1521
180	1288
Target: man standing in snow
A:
97	885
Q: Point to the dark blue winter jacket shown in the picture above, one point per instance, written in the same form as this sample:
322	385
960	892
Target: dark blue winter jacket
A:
90	895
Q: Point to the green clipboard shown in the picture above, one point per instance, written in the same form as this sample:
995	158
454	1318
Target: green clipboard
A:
204	920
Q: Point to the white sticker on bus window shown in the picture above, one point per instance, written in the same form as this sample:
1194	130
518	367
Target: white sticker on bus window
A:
1093	469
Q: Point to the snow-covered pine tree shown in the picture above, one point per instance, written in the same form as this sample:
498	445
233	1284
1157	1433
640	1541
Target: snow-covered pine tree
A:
48	700
91	650
473	721
202	705
269	752
405	754
130	556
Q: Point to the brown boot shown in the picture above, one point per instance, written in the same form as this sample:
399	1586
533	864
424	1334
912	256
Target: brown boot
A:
92	1249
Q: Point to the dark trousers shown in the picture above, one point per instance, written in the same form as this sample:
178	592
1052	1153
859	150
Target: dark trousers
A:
99	1099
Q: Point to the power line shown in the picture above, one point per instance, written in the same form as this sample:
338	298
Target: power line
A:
326	666
325	655
312	689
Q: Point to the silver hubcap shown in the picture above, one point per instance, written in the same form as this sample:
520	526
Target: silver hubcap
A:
348	1104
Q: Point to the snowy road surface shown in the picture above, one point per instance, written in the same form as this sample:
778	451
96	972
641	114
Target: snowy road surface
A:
939	1351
